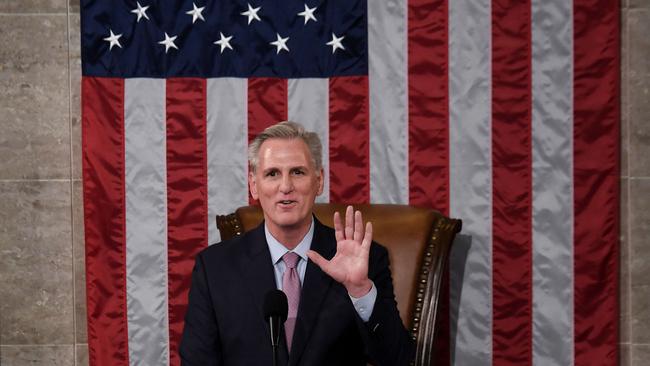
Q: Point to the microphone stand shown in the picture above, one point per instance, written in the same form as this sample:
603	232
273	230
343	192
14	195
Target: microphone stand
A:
275	312
275	331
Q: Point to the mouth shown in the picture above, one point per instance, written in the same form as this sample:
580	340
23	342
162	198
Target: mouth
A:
286	203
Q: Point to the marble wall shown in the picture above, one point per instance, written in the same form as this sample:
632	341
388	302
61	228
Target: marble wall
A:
635	184
42	297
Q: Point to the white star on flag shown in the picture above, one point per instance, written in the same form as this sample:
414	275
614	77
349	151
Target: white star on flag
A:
141	11
168	42
224	42
196	13
308	14
336	43
280	43
113	39
251	13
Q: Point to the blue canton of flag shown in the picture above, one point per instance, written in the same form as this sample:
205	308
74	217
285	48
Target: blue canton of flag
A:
254	38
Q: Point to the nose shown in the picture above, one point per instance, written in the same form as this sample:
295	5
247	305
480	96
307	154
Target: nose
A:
286	184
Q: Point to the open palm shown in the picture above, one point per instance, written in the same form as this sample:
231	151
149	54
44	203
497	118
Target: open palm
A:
349	266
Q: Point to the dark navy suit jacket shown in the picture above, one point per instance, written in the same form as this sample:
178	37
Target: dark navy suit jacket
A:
224	324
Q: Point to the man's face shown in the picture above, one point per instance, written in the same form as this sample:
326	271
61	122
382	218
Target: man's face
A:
286	183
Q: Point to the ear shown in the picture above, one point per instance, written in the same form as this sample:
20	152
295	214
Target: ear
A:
252	186
321	181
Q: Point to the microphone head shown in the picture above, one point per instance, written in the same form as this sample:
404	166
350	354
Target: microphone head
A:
275	305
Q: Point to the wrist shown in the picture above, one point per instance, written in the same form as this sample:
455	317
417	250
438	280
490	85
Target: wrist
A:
360	289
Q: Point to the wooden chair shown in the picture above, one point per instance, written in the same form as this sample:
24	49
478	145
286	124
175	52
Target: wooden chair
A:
418	242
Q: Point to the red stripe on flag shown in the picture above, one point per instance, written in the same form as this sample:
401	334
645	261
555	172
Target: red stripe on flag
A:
428	104
187	219
512	182
267	104
104	219
349	139
596	186
428	66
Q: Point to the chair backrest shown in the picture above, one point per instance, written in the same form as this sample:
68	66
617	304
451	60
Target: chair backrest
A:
418	242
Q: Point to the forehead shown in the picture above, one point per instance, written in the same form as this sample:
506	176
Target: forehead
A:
284	152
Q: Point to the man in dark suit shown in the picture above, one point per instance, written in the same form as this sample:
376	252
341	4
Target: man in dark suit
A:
342	309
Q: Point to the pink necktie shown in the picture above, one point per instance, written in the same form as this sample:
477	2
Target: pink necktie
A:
291	287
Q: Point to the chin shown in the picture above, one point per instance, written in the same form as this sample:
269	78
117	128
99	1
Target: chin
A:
290	221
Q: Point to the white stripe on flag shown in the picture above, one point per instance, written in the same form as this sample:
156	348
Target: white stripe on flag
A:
308	105
146	221
552	37
470	181
227	143
387	75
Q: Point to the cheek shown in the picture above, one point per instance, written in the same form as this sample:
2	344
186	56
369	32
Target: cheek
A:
266	189
315	186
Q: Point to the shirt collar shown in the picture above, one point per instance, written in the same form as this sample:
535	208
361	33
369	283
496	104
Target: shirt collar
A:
278	250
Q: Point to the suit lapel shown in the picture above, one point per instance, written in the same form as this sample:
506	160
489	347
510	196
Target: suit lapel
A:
257	271
314	289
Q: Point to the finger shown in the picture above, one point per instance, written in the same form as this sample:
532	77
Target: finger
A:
321	262
358	227
349	222
367	238
338	229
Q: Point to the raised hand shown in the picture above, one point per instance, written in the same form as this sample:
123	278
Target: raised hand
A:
349	266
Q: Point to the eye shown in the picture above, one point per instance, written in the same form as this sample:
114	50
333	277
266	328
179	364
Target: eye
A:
298	172
271	173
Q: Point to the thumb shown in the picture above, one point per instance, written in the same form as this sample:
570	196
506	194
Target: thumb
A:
318	260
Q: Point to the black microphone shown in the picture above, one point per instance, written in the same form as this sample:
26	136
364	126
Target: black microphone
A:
275	313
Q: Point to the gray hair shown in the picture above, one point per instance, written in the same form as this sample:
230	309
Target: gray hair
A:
287	130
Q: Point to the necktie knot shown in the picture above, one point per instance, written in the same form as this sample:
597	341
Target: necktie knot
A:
290	259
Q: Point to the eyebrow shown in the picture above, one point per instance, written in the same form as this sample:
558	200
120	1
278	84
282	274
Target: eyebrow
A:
301	167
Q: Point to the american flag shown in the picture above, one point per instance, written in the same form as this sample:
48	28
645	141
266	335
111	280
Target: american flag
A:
501	113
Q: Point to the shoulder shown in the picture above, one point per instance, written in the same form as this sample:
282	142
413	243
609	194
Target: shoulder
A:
223	248
228	250
378	255
378	249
